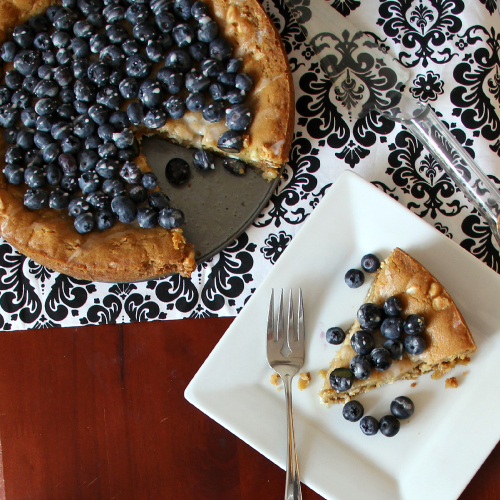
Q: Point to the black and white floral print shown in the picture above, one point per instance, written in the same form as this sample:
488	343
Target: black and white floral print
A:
450	49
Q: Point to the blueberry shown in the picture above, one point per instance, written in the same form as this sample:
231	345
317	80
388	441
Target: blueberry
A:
64	56
393	306
23	36
198	51
98	72
25	139
84	223
124	208
85	91
106	131
145	31
335	335
67	162
199	9
13	79
114	56
33	158
98	42
58	199
53	174
402	407
137	13
361	366
71	144
159	6
414	324
52	11
61	39
182	9
69	183
84	126
147	217
5	95
158	200
155	118
42	41
370	263
392	327
175	107
116	33
183	35
149	180
370	316
362	342
104	219
211	67
178	60
62	75
234	65
46	88
21	99
45	123
341	379
30	83
415	344
227	79
67	95
238	117
177	171
369	425
196	82
204	160
119	120
42	139
165	22
243	82
14	154
208	30
89	181
8	115
131	173
172	81
10	135
65	19
213	112
389	425
110	97
130	47
113	13
8	51
14	173
80	47
48	57
381	359
107	150
354	278
98	199
87	160
220	49
138	194
150	93
36	198
154	51
195	101
353	411
135	113
124	139
116	76
171	218
96	19
234	166
108	169
138	66
99	113
78	206
230	141
61	130
84	29
93	142
395	347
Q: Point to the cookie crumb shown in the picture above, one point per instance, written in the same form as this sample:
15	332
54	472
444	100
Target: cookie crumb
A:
414	384
451	383
275	380
304	380
322	374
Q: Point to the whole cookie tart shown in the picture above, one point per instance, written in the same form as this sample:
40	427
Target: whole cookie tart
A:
84	80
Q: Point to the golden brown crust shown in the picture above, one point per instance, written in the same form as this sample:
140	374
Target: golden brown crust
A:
126	252
449	340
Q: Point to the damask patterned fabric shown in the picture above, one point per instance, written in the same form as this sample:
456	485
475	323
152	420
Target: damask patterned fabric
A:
451	48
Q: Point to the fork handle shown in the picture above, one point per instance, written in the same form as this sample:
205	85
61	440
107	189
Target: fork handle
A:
292	489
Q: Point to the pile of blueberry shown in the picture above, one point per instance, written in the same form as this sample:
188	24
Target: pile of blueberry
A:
401	408
83	73
400	334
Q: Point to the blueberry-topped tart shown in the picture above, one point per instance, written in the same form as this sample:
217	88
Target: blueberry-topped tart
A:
82	82
407	326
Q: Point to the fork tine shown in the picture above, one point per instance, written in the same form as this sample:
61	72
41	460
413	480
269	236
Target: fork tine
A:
300	318
291	324
270	318
280	330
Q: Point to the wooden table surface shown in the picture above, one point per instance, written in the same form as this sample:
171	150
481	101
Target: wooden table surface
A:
98	412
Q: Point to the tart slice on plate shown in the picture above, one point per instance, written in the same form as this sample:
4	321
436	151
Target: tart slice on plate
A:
426	333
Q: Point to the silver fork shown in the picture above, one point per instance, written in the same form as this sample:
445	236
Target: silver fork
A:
285	354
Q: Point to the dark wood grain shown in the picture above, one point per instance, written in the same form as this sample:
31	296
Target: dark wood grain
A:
99	413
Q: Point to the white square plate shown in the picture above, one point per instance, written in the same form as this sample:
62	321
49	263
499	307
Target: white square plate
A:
440	448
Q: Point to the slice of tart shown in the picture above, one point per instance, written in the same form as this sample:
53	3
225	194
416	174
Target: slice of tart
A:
447	338
127	252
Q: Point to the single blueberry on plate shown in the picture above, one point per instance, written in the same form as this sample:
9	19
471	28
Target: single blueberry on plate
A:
393	306
204	160
415	344
171	218
392	327
402	407
353	411
370	263
177	171
369	425
414	324
381	359
341	379
395	347
361	366
389	425
362	342
335	335
370	316
235	166
354	278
